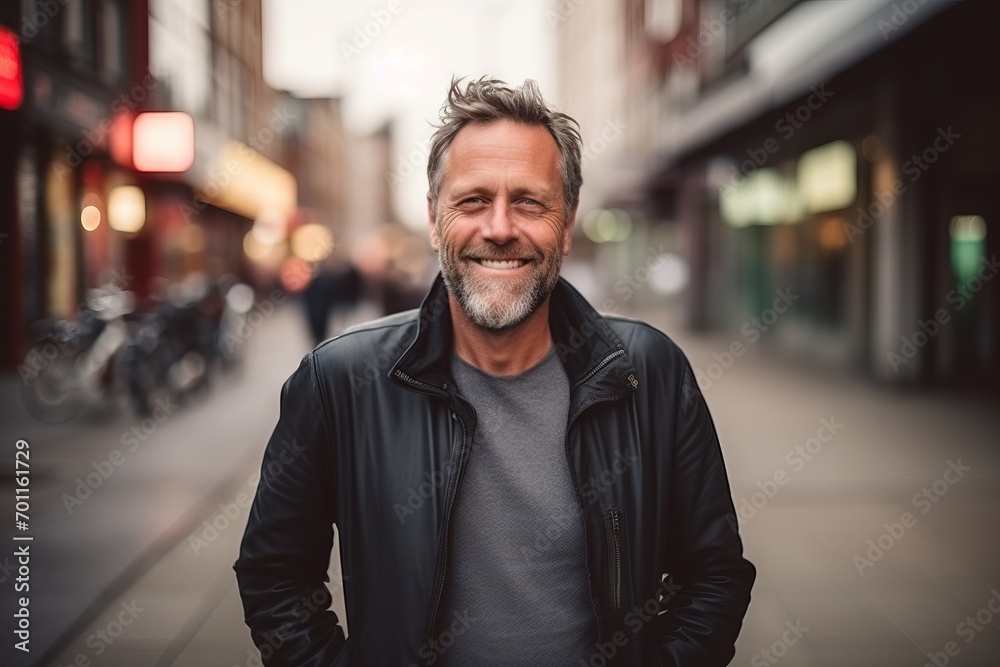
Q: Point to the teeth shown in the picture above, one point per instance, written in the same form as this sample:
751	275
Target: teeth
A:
504	264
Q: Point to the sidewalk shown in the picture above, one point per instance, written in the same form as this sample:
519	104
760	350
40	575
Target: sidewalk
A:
111	494
871	549
819	466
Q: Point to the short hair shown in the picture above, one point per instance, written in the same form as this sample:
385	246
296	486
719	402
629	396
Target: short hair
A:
490	100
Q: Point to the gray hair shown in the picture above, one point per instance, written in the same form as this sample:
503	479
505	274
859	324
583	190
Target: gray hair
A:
490	100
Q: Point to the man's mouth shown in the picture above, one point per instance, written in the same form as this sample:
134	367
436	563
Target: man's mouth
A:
502	263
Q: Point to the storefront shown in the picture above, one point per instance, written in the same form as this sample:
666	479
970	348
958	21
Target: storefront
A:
867	197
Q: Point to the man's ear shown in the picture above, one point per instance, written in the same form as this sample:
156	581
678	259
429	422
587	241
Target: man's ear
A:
567	241
435	241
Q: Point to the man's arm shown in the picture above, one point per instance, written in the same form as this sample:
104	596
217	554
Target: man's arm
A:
706	556
285	552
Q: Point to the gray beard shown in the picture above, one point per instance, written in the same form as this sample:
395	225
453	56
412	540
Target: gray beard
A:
493	305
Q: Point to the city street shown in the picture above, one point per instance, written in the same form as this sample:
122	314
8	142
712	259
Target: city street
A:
868	512
797	192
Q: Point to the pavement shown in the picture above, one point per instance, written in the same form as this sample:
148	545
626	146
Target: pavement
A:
869	512
112	496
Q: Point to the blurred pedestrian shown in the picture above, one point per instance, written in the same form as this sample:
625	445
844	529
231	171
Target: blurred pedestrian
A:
512	475
331	291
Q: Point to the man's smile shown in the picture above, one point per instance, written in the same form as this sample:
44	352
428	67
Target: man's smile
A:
502	264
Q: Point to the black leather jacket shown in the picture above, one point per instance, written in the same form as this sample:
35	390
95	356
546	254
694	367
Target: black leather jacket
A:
374	438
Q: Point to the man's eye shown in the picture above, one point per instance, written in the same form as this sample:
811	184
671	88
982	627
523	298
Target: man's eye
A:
530	202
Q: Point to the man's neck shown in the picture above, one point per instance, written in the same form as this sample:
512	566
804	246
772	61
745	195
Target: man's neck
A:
508	352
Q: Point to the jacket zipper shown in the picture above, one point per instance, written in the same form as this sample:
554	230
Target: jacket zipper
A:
443	556
598	367
613	524
576	482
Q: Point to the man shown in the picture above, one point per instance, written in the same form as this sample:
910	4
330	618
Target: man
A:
515	479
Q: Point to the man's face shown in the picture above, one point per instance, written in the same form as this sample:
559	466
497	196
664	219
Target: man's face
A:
502	226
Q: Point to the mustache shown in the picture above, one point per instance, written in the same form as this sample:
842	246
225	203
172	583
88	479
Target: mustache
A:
501	252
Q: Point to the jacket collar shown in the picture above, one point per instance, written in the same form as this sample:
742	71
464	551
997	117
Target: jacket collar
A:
595	358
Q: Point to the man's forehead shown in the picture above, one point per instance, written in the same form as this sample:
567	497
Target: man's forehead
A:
505	135
502	148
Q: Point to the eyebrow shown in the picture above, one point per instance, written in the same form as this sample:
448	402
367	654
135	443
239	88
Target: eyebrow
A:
516	193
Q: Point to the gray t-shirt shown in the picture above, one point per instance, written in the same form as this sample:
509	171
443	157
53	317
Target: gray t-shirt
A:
517	590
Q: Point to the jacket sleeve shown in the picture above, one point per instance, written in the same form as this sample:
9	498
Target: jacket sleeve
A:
285	553
705	553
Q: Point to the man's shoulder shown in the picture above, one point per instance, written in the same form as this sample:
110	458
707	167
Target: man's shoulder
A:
640	335
380	342
644	342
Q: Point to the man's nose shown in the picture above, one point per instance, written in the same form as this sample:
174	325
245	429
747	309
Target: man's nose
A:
499	225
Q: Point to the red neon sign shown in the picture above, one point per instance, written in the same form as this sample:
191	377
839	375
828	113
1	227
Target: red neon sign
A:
11	84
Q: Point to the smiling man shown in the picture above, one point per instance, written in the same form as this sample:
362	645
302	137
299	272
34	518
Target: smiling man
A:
525	481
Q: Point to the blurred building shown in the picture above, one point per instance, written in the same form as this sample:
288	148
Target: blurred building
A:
369	201
395	259
316	154
209	58
604	87
833	158
67	72
139	141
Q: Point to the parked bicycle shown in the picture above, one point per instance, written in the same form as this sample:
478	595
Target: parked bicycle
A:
77	361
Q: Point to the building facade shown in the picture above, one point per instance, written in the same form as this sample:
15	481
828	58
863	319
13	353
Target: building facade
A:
80	67
836	155
141	146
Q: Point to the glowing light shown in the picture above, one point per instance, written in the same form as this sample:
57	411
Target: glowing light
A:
312	242
269	228
967	228
671	276
127	209
163	141
968	245
764	198
827	177
90	218
600	225
255	249
295	274
120	139
11	82
243	181
831	233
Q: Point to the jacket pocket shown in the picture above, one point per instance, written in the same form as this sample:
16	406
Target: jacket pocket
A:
617	561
